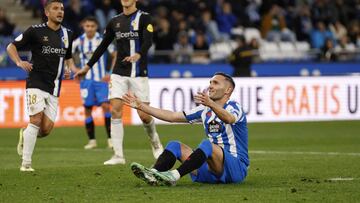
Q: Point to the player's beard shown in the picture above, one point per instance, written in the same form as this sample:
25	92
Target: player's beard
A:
57	20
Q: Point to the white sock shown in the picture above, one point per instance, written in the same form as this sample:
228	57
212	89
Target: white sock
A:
117	136
30	135
176	174
150	130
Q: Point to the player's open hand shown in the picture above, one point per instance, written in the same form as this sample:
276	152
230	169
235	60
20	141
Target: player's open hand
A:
81	73
67	73
106	78
26	66
133	58
203	98
131	100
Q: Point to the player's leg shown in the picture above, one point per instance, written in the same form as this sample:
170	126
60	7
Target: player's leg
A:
29	139
150	129
206	152
46	126
36	104
117	133
107	120
140	87
101	94
90	128
87	92
49	116
118	86
174	150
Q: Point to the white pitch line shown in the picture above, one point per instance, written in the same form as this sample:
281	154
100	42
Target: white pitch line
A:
251	151
341	179
306	153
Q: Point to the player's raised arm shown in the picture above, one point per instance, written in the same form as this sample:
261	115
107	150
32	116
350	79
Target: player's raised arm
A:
165	115
108	38
224	115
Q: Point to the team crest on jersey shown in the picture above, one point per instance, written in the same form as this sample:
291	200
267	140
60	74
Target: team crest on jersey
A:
45	38
214	127
133	23
117	25
150	28
65	41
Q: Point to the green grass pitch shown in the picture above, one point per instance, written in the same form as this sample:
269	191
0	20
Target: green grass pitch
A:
290	162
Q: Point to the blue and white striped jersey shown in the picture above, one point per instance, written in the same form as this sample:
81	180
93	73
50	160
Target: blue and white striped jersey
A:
231	137
86	47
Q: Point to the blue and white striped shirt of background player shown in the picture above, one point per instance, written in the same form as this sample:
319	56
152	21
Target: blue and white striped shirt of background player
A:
86	47
233	138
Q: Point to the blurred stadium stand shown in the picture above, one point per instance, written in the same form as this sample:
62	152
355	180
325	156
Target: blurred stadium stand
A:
281	32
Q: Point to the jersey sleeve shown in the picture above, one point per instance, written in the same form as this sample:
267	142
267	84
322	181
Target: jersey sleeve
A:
23	40
69	50
147	34
111	48
235	109
109	36
75	45
194	115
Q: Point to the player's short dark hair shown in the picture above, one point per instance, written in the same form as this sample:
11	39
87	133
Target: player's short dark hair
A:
91	19
48	2
227	77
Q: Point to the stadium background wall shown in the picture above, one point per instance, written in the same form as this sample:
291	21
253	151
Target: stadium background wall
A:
271	99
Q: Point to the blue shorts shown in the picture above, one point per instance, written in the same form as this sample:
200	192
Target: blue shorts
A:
93	93
235	171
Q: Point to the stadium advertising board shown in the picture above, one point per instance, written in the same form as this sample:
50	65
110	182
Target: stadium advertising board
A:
13	111
271	99
263	99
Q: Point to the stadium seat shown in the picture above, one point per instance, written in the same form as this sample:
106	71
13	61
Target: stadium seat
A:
302	48
288	51
251	33
220	51
269	51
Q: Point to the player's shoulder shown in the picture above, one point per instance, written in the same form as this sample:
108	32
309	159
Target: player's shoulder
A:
38	26
233	104
67	29
144	13
118	16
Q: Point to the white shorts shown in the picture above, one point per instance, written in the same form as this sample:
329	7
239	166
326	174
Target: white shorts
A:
38	101
120	85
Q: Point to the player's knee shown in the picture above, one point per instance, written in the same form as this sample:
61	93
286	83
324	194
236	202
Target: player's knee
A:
36	119
175	148
105	106
206	147
145	118
116	113
44	132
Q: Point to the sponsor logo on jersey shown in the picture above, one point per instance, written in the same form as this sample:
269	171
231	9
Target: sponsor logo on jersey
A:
127	35
214	127
51	50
